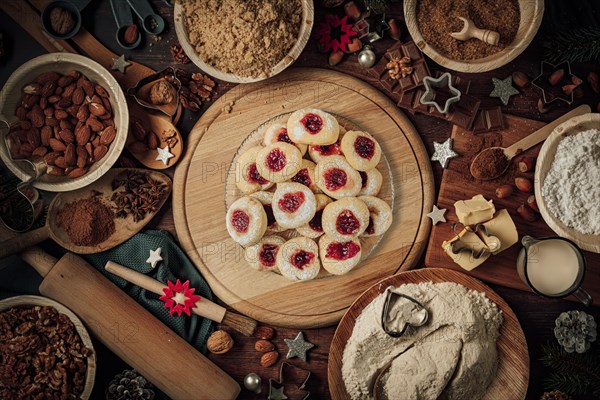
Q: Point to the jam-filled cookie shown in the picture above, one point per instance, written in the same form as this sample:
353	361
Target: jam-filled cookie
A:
298	259
320	152
279	161
371	182
380	216
336	178
293	204
278	133
314	227
266	199
345	218
248	179
313	126
306	176
246	221
338	256
263	255
361	150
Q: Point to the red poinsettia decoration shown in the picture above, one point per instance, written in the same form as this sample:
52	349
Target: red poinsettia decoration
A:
335	34
179	297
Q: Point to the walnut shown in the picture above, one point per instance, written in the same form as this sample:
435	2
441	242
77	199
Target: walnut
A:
220	342
178	54
61	20
161	93
399	67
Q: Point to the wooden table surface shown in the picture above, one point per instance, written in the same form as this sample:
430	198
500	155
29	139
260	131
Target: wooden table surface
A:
535	313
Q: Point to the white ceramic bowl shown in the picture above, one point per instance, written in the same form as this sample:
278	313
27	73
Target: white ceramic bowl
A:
11	95
293	54
30	301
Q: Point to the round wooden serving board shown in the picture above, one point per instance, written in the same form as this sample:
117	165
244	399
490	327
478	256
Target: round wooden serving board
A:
200	184
512	377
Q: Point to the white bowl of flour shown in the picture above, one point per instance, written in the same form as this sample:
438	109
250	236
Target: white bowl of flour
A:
566	181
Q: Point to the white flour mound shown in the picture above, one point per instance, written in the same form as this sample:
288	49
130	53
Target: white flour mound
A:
452	356
571	188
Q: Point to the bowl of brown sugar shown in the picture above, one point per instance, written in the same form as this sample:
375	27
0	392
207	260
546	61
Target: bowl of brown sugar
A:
243	41
430	23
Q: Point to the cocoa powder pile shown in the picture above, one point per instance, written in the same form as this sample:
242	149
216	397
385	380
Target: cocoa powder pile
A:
438	18
86	221
489	164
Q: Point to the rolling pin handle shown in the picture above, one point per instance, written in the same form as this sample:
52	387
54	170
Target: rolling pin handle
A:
41	261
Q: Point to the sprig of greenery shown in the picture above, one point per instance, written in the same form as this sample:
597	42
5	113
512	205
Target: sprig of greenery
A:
577	45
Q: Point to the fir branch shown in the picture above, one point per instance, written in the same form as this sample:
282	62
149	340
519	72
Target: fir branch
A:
581	44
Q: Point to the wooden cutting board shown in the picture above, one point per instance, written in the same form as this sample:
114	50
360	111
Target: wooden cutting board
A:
512	377
458	184
200	182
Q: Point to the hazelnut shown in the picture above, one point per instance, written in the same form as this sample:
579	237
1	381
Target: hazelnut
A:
61	20
161	93
523	184
532	203
335	57
520	79
526	164
526	213
504	191
220	342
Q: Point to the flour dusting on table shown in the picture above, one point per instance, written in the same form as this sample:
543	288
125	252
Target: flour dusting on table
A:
452	356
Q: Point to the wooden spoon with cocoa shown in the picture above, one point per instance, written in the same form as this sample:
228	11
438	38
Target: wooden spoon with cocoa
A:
62	229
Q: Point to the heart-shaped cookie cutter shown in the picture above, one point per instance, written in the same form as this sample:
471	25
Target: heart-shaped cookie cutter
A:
170	75
390	294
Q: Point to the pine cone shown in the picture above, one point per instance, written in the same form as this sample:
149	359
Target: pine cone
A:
555	395
129	385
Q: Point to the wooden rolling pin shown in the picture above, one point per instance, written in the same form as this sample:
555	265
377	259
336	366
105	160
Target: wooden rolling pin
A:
129	330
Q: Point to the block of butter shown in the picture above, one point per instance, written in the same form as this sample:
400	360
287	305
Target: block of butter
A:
472	243
475	210
503	227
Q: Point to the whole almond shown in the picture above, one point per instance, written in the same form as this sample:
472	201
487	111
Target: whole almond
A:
49	111
97	109
95	140
45	135
65	80
94	124
137	147
36	116
21	113
88	88
131	34
60	114
54	99
60	162
108	135
47	77
152	140
524	184
107	105
33	137
264	332
56	171
101	91
83	113
48	88
138	131
64	102
556	77
264	346
70	155
43	103
51	121
89	149
30	100
81	152
59	91
78	96
76	172
56	144
269	359
51	157
69	90
82	135
100	152
65	124
40	151
26	149
25	125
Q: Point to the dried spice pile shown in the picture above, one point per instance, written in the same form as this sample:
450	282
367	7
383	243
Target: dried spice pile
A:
140	195
41	354
86	221
438	18
246	38
490	163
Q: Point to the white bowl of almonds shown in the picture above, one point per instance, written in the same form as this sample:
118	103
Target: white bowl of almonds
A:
66	111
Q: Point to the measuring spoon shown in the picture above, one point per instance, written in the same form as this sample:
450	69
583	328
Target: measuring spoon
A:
124	227
524	144
74	7
153	23
124	19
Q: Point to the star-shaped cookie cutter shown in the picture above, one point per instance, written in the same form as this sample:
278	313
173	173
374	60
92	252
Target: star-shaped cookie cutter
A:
276	387
552	93
431	97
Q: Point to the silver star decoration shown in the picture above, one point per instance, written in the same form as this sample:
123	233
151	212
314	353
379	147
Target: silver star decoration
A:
298	347
120	64
277	394
443	152
154	258
164	155
437	215
503	89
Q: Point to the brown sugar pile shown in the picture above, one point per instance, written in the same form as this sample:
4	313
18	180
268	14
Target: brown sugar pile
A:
244	37
438	18
86	221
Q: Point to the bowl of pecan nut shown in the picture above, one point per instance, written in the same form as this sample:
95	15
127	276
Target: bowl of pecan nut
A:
66	114
45	351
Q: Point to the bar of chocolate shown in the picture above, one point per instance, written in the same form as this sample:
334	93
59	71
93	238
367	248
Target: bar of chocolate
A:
409	82
489	119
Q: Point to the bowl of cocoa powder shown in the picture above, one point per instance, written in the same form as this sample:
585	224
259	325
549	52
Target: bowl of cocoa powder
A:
67	112
430	23
243	41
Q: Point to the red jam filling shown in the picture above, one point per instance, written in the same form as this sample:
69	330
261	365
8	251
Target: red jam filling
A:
364	177
254	176
270	216
342	250
282	136
347	223
267	254
240	221
371	227
276	160
313	123
328	150
300	258
364	147
302	177
316	223
291	202
335	178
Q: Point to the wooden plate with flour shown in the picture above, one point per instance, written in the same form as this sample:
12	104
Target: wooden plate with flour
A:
512	376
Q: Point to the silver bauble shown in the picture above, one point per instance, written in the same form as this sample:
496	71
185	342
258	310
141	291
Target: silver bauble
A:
252	382
367	57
